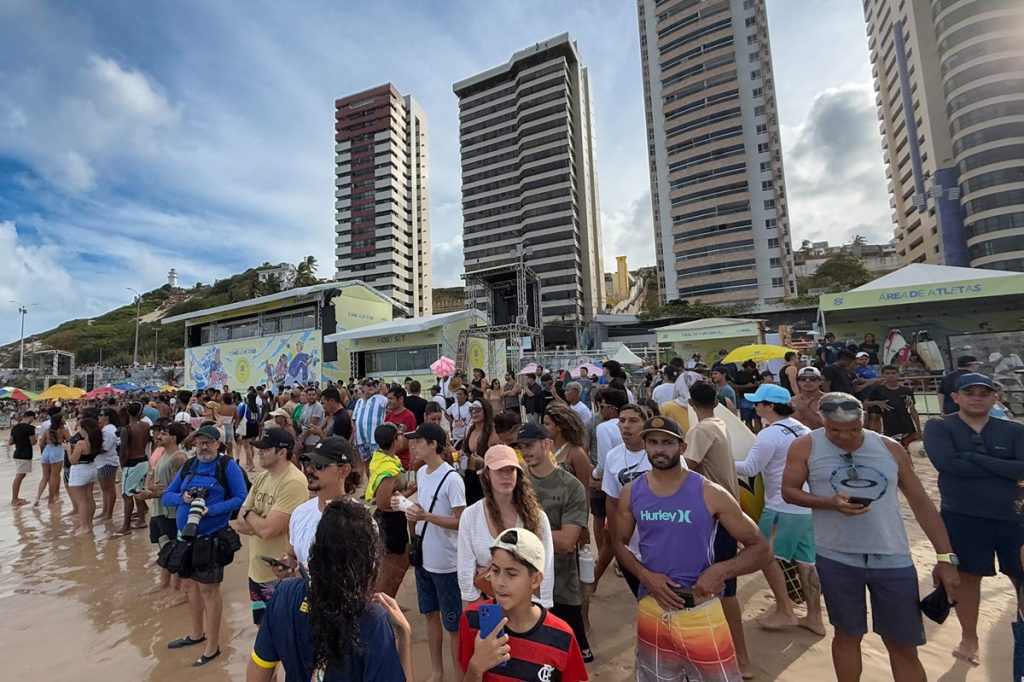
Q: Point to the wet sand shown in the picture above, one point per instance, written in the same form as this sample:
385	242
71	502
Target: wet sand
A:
72	609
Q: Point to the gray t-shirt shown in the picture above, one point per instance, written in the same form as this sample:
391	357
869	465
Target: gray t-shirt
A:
309	412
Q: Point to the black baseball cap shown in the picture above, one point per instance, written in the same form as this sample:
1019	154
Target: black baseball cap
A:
662	425
276	438
965	360
334	450
531	433
428	431
974	379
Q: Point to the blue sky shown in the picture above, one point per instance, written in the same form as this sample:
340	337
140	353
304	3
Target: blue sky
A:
138	136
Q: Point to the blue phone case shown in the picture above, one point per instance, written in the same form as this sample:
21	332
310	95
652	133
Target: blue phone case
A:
490	616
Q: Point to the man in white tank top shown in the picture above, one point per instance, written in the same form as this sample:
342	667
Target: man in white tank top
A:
853	475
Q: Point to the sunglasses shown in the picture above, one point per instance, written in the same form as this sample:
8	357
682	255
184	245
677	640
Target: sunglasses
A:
317	465
852	470
808	378
846	405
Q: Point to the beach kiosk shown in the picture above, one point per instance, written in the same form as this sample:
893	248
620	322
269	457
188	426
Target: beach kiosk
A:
707	337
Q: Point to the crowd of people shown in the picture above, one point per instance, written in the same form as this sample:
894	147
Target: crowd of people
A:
511	501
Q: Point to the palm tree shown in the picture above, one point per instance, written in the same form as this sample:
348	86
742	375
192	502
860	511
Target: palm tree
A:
859	240
305	272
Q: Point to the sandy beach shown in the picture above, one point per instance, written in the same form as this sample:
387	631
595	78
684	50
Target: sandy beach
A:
72	609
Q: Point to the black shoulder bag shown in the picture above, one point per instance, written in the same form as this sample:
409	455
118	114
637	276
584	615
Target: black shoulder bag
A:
416	542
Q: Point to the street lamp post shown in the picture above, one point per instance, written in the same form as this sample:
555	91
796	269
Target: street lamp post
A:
156	346
22	310
138	303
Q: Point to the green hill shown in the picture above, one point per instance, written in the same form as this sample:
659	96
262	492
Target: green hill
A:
109	339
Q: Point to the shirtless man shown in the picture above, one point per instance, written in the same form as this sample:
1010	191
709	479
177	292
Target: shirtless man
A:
134	467
805	401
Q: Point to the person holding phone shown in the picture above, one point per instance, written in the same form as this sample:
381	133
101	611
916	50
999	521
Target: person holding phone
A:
682	632
851	476
512	637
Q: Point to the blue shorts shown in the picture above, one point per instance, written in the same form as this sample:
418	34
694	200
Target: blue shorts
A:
440	592
977	542
53	454
725	549
794	535
895	601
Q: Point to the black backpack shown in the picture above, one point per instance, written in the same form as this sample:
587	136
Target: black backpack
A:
221	475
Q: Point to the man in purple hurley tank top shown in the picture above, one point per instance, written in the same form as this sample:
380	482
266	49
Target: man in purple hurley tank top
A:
681	629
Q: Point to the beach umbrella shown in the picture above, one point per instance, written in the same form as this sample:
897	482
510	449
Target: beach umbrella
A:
61	392
101	392
443	367
151	389
529	369
758	352
127	386
15	394
167	388
592	369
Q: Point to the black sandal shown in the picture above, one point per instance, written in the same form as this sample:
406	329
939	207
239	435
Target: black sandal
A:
204	659
185	641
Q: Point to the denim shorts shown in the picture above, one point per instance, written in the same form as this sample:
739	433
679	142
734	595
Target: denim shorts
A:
53	454
440	592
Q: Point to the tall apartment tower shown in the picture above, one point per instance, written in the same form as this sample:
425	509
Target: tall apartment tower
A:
382	207
955	181
721	224
529	177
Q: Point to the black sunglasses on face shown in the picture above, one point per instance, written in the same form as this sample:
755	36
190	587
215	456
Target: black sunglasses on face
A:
846	405
808	378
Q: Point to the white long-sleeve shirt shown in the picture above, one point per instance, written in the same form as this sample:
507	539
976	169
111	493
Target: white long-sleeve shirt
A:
475	542
768	458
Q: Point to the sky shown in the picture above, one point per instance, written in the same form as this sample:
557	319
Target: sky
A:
137	137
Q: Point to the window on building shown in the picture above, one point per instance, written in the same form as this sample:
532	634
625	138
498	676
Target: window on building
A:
765	165
406	360
759	110
755	74
758	92
751	39
754	57
762	128
773	242
775	262
771	223
777	282
763	148
750	21
767	185
769	203
748	4
290	321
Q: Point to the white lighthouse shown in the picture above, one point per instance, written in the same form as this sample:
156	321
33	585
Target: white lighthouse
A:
172	278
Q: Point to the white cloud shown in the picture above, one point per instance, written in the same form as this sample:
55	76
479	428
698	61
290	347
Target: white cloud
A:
629	231
446	262
33	274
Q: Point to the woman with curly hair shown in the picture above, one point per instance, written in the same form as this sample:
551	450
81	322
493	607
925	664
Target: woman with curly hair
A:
508	502
330	626
565	427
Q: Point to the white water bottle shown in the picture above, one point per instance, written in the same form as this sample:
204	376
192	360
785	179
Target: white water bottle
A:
586	566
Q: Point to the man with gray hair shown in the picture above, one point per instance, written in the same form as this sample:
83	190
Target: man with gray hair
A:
574	396
852	475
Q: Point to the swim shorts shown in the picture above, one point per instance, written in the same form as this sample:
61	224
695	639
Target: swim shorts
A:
794	535
690	644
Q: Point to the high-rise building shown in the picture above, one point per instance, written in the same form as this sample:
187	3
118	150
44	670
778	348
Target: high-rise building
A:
382	207
955	181
721	224
529	177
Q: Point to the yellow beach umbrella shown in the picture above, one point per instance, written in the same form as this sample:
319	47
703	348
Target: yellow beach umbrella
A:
61	392
758	352
167	388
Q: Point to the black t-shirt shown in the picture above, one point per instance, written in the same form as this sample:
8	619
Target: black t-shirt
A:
340	424
839	379
897	421
21	434
872	349
417	406
947	387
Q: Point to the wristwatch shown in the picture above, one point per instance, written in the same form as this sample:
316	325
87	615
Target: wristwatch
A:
948	558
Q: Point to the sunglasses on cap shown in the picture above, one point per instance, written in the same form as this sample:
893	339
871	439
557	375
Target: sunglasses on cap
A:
848	405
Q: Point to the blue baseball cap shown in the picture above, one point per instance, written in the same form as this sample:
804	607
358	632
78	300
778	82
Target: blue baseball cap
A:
769	393
974	379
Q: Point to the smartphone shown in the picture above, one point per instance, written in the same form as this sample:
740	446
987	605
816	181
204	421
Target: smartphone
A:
490	616
687	597
861	500
276	563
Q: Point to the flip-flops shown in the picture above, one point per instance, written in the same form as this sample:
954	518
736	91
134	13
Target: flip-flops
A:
204	659
185	641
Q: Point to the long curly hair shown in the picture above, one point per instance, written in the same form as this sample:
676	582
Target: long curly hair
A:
524	499
343	565
93	433
569	423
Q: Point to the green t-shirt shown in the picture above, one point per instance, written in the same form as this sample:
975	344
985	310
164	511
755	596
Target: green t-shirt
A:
565	502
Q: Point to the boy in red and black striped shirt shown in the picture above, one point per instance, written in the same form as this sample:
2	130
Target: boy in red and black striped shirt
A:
536	645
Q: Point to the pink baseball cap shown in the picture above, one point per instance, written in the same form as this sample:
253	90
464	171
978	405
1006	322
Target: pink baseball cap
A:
501	456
